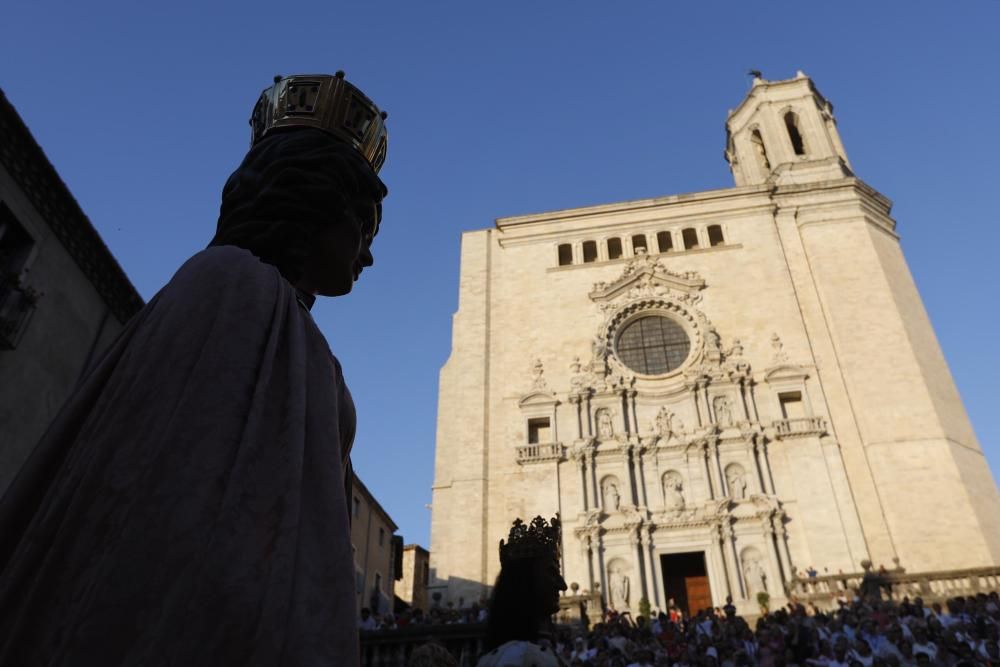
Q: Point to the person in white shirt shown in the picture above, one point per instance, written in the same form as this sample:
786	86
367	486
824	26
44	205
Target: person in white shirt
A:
643	658
366	622
921	644
862	652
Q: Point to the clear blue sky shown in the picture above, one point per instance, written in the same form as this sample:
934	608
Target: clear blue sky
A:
503	108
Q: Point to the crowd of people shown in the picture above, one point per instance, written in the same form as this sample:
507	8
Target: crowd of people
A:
416	617
861	632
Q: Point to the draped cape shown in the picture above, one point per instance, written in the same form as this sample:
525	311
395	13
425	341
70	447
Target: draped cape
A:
187	506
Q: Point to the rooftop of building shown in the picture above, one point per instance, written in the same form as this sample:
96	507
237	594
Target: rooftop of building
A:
34	174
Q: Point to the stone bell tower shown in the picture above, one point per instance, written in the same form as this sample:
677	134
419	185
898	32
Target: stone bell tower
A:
923	489
784	132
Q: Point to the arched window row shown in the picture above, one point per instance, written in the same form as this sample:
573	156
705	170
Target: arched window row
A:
617	247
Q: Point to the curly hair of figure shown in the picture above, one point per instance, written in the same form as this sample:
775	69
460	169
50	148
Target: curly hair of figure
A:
432	655
289	186
512	606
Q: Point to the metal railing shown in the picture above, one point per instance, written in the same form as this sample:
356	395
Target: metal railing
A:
392	648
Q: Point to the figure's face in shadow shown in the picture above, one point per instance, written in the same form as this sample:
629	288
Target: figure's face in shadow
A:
549	584
341	251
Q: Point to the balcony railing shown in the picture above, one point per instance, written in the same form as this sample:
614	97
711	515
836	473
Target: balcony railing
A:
392	648
579	609
931	586
799	427
538	452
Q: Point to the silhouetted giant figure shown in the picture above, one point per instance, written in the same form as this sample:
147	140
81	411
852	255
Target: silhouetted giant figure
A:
188	505
524	598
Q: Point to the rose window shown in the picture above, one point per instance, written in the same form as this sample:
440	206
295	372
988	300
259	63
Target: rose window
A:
653	345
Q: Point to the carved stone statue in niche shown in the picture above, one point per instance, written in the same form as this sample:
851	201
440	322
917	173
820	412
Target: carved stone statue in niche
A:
737	480
612	500
600	347
618	584
723	411
713	346
618	375
673	494
753	573
663	424
605	426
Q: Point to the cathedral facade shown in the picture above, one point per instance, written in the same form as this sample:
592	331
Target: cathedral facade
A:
713	390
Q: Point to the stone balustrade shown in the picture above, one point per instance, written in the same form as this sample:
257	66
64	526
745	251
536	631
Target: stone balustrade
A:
538	452
574	608
931	586
799	427
392	648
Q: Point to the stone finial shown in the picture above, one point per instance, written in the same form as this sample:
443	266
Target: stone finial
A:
538	381
780	356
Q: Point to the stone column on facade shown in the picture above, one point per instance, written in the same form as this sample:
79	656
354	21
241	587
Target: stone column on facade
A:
781	537
758	480
575	401
592	467
733	547
735	579
635	415
774	559
697	405
656	471
765	467
744	401
708	471
635	540
709	415
602	567
626	450
647	554
712	455
588	556
586	410
758	465
756	446
581	458
723	482
641	481
752	400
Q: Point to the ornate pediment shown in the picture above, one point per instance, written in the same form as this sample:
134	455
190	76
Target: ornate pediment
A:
538	398
786	372
645	275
